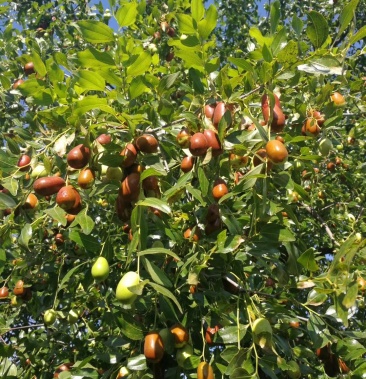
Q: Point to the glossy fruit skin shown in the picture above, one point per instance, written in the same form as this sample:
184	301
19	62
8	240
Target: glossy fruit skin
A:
123	208
278	117
4	292
181	335
100	269
209	110
205	371
331	166
49	317
59	239
187	235
213	142
19	289
276	151
31	202
78	157
209	334
123	294
318	116
104	139
218	113
260	157
338	99
198	145
86	178
29	68
151	183
130	187
114	173
72	316
153	347
18	83
66	197
187	164
147	143
325	146
219	190
311	127
183	138
23	162
295	372
129	153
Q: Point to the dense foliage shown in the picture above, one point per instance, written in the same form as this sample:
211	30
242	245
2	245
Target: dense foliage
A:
175	191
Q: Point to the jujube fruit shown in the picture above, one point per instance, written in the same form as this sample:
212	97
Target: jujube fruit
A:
104	139
147	143
18	83
31	201
86	178
276	151
29	68
123	293
188	235
78	157
338	99
187	164
19	288
49	317
4	292
181	335
213	141
278	117
238	161
183	138
130	187
100	269
219	190
311	127
205	371
23	162
325	146
218	113
294	371
61	368
198	144
153	347
209	110
66	197
123	208
129	154
151	183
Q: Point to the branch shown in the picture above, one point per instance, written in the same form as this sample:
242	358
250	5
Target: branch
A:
322	222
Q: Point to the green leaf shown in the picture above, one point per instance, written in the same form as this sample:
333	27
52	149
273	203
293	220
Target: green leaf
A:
137	363
167	293
6	201
95	31
39	66
318	331
347	15
90	81
91	103
88	242
351	295
274	15
267	55
197	9
361	34
241	63
317	29
138	87
230	334
204	184
126	14
158	250
297	24
277	233
316	298
25	235
66	278
86	222
307	260
93	59
289	53
155	203
208	24
278	41
129	328
156	274
140	64
185	24
167	82
57	214
191	59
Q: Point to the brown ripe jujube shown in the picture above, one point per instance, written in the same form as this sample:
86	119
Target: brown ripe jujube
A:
29	68
86	178
311	127
278	117
219	189
4	292
66	197
130	187
147	143
19	288
31	201
183	138
23	162
188	235
104	139
181	335
18	83
151	183
238	161
205	371
123	208
213	142
276	151
129	154
48	185
153	347
198	144
187	164
218	113
78	157
209	110
338	99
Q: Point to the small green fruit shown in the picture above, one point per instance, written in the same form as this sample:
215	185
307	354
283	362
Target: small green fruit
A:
123	293
294	372
325	146
100	269
114	173
72	316
183	354
49	317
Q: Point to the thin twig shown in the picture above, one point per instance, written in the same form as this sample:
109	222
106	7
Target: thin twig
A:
322	222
